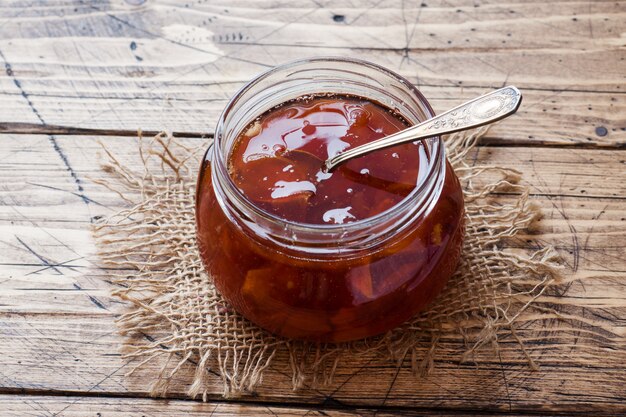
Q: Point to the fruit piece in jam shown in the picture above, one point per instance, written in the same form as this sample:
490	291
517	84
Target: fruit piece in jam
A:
338	298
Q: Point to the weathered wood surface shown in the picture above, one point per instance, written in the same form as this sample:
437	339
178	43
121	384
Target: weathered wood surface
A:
57	316
172	64
76	73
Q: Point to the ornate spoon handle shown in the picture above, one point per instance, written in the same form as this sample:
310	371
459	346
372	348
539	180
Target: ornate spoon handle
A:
477	112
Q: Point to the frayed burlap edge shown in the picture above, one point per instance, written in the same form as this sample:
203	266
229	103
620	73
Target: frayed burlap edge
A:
174	306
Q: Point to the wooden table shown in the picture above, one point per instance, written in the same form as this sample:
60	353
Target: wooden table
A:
79	72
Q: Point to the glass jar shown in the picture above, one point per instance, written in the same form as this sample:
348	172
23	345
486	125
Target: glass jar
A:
328	282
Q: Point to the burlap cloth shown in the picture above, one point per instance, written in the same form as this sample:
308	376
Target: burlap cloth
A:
173	302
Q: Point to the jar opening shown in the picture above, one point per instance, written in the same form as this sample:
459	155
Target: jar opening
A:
316	76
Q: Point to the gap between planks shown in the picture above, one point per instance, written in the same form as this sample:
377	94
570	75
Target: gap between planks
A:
332	406
39	129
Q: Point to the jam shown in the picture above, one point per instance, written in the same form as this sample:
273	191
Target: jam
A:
277	161
327	293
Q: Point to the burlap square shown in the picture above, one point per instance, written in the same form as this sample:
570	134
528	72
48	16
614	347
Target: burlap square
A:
173	300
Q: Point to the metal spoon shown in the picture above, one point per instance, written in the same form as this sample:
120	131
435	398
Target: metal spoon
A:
477	112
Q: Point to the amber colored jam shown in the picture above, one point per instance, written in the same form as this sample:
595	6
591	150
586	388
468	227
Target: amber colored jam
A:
337	298
293	186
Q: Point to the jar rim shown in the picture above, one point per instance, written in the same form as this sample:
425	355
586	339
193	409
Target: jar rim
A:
434	166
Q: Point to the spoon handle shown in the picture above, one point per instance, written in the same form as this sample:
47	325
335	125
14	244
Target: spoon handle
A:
480	111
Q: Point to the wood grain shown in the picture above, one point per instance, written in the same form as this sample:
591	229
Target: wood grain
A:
133	407
167	65
72	354
56	315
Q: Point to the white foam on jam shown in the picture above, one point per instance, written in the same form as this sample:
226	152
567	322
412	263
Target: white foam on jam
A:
338	215
284	189
321	175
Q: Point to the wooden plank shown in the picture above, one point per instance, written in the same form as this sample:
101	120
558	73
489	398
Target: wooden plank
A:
82	406
24	405
57	332
74	354
581	186
46	265
554	171
160	66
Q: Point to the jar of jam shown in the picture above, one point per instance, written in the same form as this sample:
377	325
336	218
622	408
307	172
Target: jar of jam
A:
327	256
